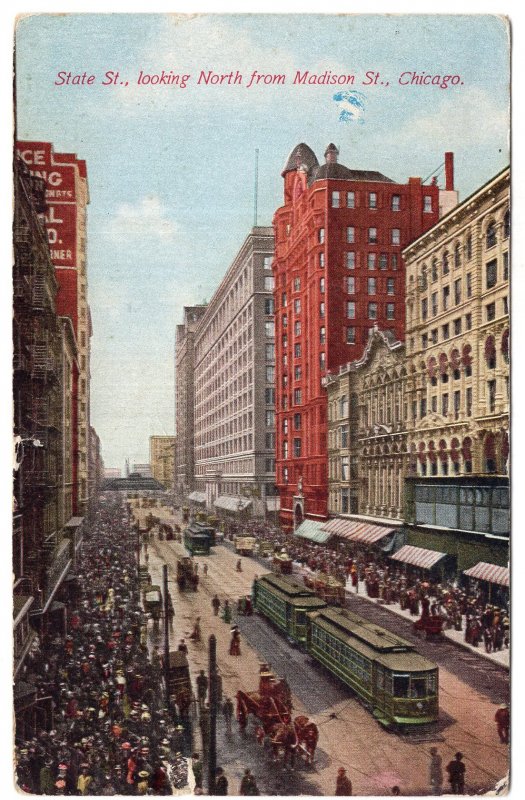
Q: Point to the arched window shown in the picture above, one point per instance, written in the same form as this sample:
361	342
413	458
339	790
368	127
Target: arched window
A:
457	255
466	452
506	225
505	346
490	352
445	263
505	451
422	457
489	453
432	457
432	370
434	271
455	456
443	366
490	236
466	359
443	456
455	362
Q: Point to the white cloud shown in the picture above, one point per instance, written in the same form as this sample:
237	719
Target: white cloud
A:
145	221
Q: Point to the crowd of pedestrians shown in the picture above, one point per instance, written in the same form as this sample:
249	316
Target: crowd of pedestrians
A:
112	733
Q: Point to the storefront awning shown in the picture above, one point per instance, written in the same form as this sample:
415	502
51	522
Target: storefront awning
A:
418	556
311	530
489	572
356	531
229	503
197	497
273	503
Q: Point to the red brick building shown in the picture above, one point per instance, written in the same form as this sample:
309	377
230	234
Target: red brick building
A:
338	271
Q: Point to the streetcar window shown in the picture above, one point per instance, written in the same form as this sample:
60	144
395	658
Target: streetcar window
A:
432	683
300	617
418	687
400	685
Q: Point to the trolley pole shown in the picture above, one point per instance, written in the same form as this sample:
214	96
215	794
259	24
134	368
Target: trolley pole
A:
166	633
212	743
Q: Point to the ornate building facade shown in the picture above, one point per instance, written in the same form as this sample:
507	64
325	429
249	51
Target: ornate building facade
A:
338	271
162	459
367	436
457	339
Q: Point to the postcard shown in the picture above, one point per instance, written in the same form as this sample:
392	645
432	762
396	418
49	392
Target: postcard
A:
261	399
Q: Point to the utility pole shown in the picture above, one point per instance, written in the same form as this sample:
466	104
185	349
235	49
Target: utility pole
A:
212	743
166	633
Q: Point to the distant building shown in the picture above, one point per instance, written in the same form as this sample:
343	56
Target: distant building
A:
338	271
185	399
162	459
142	469
112	472
234	378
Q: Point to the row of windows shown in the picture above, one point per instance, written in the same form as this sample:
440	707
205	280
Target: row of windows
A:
342	654
373	260
352	285
390	310
372	236
373	200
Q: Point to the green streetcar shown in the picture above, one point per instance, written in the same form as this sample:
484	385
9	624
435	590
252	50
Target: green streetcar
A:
197	541
396	683
286	602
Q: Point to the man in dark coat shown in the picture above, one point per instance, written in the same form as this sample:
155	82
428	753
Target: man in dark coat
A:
221	782
343	786
456	774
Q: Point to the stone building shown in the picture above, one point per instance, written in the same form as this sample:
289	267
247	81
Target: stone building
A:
234	394
162	459
457	341
367	434
185	399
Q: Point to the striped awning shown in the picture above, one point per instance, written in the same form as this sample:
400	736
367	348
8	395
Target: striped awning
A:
489	572
418	556
356	531
312	530
229	503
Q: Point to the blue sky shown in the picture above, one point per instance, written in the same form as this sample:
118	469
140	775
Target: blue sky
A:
170	170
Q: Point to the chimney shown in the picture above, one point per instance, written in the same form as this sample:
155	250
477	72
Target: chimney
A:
449	172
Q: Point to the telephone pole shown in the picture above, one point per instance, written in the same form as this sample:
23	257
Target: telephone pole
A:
212	743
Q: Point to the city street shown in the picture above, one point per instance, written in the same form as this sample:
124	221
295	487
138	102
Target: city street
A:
470	691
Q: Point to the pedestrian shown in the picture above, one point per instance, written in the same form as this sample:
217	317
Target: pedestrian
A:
248	784
84	780
196	765
202	687
215	604
227	712
183	647
46	780
435	771
343	784
196	632
221	782
235	642
205	570
239	566
456	774
143	782
502	717
227	612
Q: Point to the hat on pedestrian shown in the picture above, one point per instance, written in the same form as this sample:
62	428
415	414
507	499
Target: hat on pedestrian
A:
125	746
143	774
341	771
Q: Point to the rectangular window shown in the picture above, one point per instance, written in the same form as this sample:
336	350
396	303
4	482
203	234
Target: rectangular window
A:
344	435
336	199
296	284
350	335
492	396
427	204
491	311
268	283
422	407
434	301
297	350
372	200
457	291
297	448
424	341
390	286
321	260
284	320
492	273
269	328
372	311
469	284
350	199
270	352
270	419
434	404
270	441
350	234
424	308
396	236
505	304
270	374
320	236
285	425
350	285
269	396
322	335
269	307
446	297
506	266
468	322
321	286
445	332
468	401
297	422
297	306
350	260
321	310
457	403
434	335
383	261
390	310
297	397
268	262
371	261
322	361
371	286
394	260
396	202
457	326
345	468
297	327
372	236
350	310
284	300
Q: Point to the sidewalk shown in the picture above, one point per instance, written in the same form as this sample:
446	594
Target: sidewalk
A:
458	637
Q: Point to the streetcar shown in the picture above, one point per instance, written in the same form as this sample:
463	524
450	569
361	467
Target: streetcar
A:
285	602
197	541
396	683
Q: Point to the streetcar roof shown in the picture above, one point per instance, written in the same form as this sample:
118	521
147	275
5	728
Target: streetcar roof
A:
287	586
